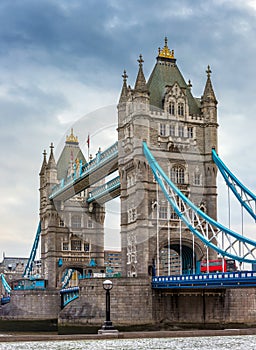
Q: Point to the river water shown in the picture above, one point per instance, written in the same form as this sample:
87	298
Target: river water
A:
203	343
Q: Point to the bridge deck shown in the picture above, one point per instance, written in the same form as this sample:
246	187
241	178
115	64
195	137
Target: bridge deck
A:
236	279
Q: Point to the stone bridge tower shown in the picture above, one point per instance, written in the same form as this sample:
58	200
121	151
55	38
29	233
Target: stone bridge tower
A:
72	234
180	130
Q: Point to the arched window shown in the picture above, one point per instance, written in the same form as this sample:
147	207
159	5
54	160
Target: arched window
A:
178	174
181	108
171	108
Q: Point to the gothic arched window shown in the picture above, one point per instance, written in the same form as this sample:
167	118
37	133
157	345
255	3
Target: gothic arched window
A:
171	108
181	108
178	174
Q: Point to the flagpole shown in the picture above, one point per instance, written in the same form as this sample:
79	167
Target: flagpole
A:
88	145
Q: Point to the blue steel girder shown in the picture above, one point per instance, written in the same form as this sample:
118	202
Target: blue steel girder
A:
5	284
104	164
66	278
29	266
235	279
209	231
68	295
242	193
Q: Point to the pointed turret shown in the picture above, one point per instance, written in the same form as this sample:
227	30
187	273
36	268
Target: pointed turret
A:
51	168
42	173
44	164
43	179
124	92
51	162
140	92
209	95
124	97
140	84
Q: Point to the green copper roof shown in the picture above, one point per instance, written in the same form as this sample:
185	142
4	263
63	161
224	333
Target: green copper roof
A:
165	73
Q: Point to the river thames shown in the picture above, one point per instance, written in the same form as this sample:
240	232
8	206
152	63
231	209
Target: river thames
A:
247	342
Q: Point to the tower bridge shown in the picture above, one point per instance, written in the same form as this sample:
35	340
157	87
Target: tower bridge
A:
166	164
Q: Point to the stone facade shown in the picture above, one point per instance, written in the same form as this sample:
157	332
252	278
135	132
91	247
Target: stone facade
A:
181	131
135	306
72	235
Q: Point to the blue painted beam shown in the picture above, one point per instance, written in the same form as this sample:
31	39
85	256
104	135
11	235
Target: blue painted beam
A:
236	279
105	192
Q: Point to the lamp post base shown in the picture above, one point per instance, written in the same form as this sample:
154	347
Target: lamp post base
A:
107	328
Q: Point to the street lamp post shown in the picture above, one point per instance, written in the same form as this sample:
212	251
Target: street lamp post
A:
107	325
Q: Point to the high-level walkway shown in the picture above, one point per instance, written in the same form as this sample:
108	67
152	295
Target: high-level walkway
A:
104	164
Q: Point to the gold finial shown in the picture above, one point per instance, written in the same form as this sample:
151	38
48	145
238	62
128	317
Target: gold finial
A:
71	137
166	52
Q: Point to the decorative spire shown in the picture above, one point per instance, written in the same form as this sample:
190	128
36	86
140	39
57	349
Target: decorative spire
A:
124	92
71	138
44	164
140	83
166	52
208	71
51	161
190	84
209	94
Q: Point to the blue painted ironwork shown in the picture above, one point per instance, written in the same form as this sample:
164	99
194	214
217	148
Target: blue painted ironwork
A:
66	277
5	300
29	266
209	231
102	190
242	193
29	284
210	280
68	295
85	169
5	284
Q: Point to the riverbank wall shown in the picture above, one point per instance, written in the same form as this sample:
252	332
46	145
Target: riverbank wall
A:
135	306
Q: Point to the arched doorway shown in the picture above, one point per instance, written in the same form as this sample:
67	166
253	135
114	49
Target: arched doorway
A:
176	261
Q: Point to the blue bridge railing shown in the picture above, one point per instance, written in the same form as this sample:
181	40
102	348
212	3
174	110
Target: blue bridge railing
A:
68	295
208	280
104	189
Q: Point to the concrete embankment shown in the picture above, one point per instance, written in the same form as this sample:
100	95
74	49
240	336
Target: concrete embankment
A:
15	337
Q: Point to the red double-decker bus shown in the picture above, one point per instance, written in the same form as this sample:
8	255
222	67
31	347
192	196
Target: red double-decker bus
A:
218	265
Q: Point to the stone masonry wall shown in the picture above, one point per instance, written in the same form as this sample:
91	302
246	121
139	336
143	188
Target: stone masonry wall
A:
131	303
218	308
134	303
32	305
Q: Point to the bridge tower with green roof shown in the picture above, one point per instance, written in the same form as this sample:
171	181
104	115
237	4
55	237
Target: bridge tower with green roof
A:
180	130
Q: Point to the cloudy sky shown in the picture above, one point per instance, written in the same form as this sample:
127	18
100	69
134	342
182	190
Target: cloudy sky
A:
61	60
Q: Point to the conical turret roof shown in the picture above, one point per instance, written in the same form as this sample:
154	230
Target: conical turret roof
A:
51	162
209	94
124	92
44	164
140	84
